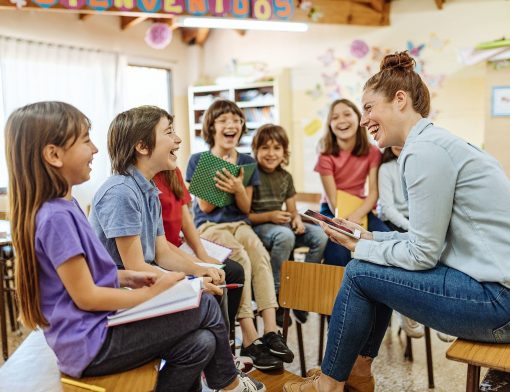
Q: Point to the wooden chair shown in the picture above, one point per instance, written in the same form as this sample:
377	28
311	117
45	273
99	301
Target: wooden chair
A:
310	287
408	354
476	355
274	381
33	367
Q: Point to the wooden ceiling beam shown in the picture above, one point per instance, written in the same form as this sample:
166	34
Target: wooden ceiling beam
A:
439	4
129	21
202	35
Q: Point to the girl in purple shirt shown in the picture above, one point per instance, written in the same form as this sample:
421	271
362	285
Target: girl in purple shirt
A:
67	283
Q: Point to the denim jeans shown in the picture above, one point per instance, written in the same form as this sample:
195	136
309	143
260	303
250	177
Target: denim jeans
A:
335	254
280	241
442	298
191	341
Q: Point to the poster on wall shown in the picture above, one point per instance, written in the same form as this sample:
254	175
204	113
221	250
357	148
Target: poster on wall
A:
501	101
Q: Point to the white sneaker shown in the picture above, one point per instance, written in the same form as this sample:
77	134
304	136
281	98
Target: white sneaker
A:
445	338
412	328
244	364
246	384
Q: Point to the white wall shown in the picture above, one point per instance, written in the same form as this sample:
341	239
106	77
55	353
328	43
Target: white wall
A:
459	102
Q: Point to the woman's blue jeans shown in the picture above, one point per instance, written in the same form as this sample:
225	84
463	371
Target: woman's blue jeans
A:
336	254
442	298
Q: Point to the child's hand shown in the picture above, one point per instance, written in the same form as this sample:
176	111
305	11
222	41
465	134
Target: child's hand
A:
217	275
280	217
210	288
138	279
167	280
226	182
297	225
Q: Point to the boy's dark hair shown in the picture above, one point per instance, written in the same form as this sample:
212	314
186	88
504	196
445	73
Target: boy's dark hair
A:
128	129
269	132
217	108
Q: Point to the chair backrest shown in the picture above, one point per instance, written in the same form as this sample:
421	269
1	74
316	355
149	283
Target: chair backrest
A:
309	286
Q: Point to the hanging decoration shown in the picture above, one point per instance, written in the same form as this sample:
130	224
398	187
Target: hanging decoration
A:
158	36
312	12
359	48
19	3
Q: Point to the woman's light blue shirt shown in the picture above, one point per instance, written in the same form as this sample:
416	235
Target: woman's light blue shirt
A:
459	209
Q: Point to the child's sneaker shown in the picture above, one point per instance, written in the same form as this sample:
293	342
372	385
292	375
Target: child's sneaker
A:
301	315
274	341
246	384
412	328
261	356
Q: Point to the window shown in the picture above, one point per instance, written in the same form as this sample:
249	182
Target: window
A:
147	86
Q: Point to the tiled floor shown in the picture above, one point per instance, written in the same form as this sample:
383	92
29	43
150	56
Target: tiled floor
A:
392	372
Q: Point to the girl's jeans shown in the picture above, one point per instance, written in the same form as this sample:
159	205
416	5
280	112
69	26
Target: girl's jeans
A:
442	298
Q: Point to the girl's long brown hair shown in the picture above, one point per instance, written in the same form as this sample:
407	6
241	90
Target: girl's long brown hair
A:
32	182
172	181
328	144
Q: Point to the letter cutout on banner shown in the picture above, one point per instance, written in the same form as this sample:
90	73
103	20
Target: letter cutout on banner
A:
149	5
196	7
219	7
173	6
283	9
262	9
45	3
240	8
99	5
73	4
123	4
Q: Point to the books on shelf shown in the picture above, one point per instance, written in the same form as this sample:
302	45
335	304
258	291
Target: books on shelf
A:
346	204
202	183
216	251
184	295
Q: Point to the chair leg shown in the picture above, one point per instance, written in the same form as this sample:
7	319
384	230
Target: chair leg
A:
301	349
473	378
321	338
408	352
286	320
430	368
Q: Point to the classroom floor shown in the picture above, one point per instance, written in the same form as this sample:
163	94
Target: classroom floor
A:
393	373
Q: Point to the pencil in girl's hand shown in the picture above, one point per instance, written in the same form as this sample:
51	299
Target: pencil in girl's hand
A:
230	286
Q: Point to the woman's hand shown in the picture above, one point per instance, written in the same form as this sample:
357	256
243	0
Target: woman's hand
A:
355	217
343	239
297	225
365	234
136	279
210	288
226	182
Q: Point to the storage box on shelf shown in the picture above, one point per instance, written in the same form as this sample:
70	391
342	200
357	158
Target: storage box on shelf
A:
261	103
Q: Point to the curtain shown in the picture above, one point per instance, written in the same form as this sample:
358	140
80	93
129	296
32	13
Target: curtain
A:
88	79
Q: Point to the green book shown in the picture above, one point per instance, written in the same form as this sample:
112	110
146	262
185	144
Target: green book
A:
202	183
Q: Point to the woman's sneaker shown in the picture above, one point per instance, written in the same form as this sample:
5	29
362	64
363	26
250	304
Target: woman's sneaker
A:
261	356
445	338
274	341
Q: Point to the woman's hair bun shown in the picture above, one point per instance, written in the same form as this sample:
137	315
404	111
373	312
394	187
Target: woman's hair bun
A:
398	60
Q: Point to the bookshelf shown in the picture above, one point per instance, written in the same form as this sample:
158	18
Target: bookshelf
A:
261	103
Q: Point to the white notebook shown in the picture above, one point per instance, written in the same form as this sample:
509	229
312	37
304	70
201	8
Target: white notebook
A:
217	251
183	296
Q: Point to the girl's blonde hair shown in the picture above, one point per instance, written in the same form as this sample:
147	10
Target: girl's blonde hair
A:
328	144
32	182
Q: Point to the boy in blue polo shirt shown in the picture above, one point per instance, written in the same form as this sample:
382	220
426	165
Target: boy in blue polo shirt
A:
126	212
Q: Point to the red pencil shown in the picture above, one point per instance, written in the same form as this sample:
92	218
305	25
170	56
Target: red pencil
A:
230	286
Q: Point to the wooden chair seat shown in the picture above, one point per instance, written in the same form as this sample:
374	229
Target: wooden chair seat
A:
33	367
476	355
274	381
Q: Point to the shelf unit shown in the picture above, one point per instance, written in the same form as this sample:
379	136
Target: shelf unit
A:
260	102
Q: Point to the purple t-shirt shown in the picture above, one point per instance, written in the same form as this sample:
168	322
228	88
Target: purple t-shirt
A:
62	231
